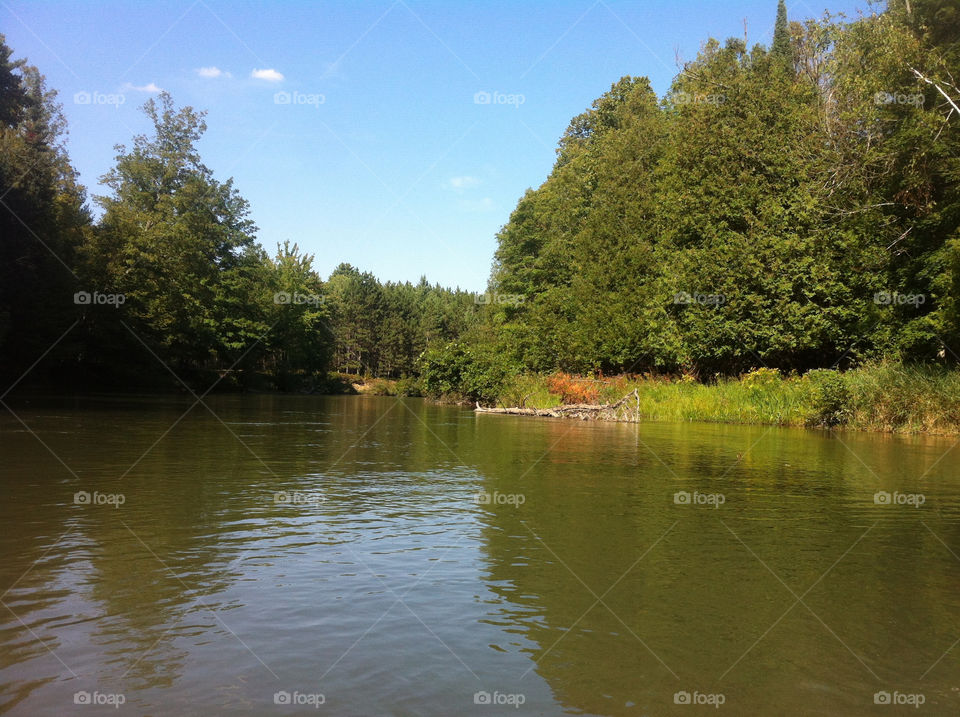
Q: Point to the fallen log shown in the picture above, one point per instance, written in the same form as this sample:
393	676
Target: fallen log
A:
583	411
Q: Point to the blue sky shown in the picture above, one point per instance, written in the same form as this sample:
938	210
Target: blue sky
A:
353	128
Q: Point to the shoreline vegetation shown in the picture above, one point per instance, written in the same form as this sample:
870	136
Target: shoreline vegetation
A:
883	397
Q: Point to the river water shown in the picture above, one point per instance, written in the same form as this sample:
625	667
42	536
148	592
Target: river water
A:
381	556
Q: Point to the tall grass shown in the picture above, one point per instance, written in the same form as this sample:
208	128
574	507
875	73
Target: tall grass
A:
884	396
895	397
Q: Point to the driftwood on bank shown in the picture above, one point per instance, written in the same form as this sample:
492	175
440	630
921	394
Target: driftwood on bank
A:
619	411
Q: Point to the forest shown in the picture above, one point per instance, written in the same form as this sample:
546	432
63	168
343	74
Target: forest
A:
169	287
791	208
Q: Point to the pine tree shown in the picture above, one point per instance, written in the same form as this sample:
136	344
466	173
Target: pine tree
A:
781	35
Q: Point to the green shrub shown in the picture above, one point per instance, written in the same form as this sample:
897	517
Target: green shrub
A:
407	387
477	372
829	398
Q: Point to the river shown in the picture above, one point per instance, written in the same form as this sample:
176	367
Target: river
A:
382	556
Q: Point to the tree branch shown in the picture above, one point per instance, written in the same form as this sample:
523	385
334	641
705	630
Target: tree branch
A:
938	87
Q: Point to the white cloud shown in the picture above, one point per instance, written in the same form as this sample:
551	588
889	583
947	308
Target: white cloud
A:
458	184
211	72
151	87
270	75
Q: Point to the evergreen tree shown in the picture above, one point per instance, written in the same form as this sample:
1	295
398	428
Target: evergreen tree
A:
781	48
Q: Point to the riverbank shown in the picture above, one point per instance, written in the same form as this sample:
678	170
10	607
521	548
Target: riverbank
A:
885	397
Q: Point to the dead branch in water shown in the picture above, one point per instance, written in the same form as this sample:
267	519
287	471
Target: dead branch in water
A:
618	411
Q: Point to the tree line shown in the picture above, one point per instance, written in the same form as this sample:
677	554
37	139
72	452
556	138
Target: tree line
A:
793	207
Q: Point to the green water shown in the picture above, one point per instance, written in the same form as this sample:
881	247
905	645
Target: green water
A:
369	556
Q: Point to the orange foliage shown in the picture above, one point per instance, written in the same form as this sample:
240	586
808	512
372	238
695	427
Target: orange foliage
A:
573	389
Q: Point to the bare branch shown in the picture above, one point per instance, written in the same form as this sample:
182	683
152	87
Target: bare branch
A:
938	87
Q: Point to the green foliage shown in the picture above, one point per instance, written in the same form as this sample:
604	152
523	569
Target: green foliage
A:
300	336
576	251
381	329
408	387
392	387
759	214
200	293
180	246
528	390
474	371
830	397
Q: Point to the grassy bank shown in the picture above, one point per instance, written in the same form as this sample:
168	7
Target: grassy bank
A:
878	397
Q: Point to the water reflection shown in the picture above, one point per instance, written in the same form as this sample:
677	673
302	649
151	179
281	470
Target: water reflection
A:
399	557
631	598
